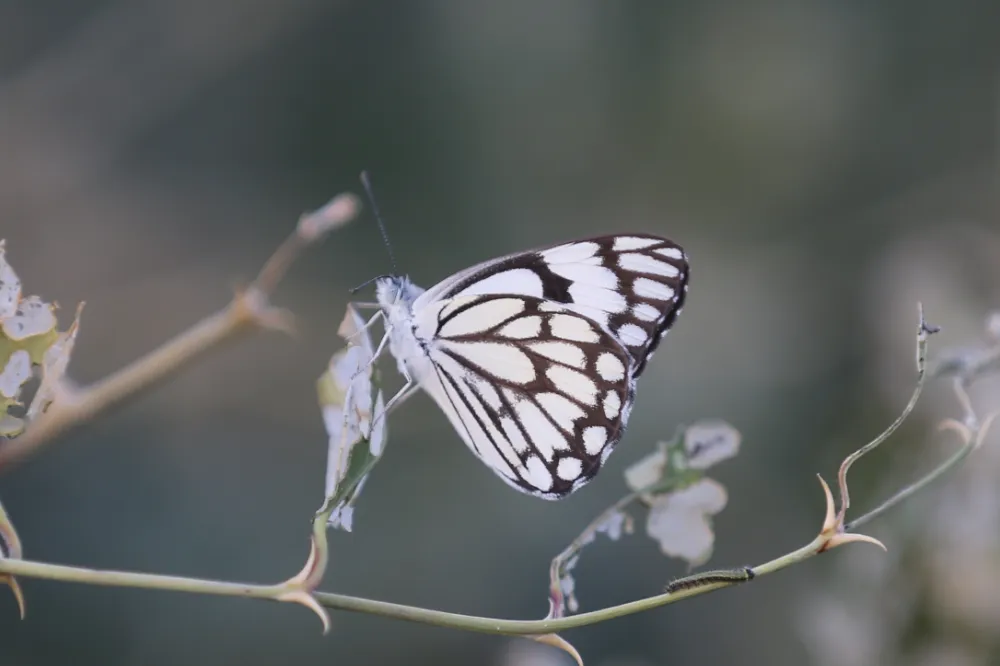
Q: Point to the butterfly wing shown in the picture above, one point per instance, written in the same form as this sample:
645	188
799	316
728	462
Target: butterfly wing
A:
633	285
539	392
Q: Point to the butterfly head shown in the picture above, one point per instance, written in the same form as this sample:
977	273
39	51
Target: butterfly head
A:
396	291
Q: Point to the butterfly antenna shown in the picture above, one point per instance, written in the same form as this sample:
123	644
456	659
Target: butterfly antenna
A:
368	282
366	181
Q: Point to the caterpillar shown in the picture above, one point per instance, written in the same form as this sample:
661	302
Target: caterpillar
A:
733	576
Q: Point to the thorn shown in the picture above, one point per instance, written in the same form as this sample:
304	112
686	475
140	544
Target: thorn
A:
15	587
833	525
830	520
842	538
557	641
962	430
306	599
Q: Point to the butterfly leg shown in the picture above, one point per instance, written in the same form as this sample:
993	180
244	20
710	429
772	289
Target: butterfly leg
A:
375	317
409	388
402	394
378	350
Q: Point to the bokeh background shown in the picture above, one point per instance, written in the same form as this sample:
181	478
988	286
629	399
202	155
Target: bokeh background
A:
826	164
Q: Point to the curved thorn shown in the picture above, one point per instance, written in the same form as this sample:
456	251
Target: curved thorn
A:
849	537
958	427
557	641
830	520
15	587
303	598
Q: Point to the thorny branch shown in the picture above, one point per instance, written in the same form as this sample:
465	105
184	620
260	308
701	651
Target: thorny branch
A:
250	310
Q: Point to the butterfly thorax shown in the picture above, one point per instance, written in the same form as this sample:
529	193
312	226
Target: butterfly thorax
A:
396	295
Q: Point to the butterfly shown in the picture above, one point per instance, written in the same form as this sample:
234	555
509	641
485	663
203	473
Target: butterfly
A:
534	356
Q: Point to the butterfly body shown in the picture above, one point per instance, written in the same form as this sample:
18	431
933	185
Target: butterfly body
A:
534	356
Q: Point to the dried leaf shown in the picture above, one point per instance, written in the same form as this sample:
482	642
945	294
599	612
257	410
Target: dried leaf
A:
681	523
10	286
648	471
681	460
54	364
13	375
31	318
28	338
351	404
670	481
10	426
562	587
709	442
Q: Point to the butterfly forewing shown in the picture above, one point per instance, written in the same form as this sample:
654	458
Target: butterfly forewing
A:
538	391
633	286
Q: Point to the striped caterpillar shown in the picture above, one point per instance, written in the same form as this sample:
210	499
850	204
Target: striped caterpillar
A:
732	576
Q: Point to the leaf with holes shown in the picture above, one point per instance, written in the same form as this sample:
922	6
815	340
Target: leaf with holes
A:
354	414
28	340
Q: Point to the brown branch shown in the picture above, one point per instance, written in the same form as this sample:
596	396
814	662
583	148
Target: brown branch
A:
250	310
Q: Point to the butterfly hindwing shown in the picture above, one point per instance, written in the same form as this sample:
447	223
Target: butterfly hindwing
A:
633	285
538	391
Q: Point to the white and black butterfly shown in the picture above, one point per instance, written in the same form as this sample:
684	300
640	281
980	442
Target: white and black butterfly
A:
534	356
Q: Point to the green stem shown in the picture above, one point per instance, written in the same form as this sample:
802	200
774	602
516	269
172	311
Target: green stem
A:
29	569
971	444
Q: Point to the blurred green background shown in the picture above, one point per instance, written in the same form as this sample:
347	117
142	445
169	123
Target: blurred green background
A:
826	164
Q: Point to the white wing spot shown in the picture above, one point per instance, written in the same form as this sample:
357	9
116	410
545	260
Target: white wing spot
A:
612	404
574	384
594	439
623	243
632	335
515	281
572	328
595	277
610	367
514	434
641	263
569	469
670	252
646	288
537	474
550	306
599	298
497	359
545	436
481	317
562	410
601	317
561	352
521	328
645	312
570	253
